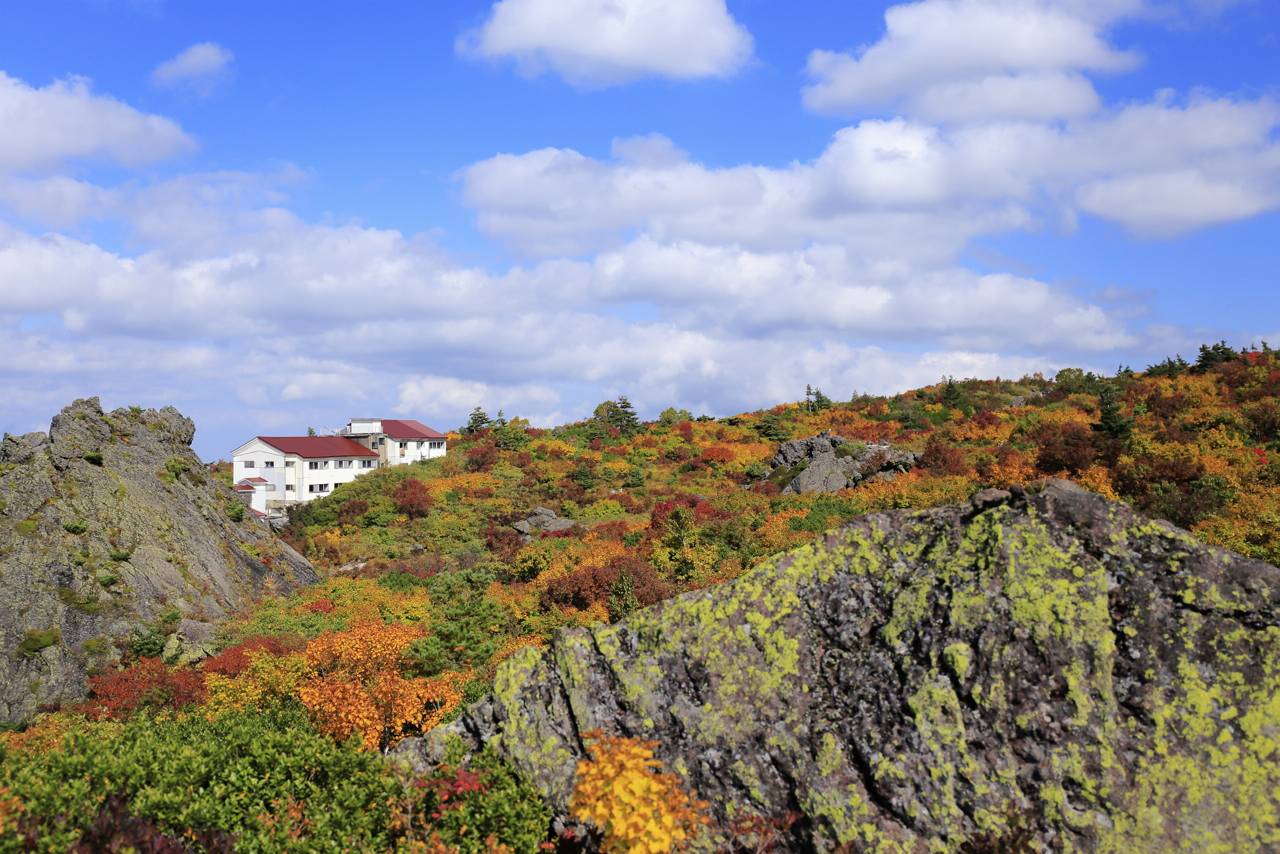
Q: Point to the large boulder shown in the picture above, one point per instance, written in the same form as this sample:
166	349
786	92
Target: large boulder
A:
1032	670
829	463
109	526
543	520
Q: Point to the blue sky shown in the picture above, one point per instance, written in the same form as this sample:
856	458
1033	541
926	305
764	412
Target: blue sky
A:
280	215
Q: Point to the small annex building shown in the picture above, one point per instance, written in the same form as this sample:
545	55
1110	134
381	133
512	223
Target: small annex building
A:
272	472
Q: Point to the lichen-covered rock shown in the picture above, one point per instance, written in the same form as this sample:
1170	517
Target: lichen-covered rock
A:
1042	669
829	463
111	525
542	520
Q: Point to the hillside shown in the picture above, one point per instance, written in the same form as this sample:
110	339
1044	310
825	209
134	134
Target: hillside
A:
112	540
435	574
682	503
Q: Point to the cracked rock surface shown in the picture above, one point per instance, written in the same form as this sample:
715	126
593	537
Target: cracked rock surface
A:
1038	669
110	524
830	463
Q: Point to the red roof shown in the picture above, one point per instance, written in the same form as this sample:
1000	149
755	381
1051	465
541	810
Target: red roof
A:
253	480
408	429
313	447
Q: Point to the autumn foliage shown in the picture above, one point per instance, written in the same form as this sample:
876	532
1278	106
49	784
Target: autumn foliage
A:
356	688
412	498
623	790
148	685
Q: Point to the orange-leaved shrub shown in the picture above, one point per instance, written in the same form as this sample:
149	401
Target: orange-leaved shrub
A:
356	687
623	790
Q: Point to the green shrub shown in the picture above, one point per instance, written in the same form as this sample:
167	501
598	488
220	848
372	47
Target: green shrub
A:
147	643
469	629
76	527
96	646
235	511
120	555
486	800
93	458
851	449
86	604
37	639
605	508
239	773
401	582
174	468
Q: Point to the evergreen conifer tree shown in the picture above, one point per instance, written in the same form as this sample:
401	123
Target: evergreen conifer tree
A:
1111	418
623	417
478	421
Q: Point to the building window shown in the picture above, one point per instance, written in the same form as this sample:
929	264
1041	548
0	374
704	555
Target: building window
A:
288	464
249	464
368	464
318	487
437	445
268	464
342	464
404	446
289	487
318	464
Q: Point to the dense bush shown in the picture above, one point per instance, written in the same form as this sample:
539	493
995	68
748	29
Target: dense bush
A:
238	773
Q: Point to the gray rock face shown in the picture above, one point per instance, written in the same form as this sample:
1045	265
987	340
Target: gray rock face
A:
829	463
1030	671
542	520
108	525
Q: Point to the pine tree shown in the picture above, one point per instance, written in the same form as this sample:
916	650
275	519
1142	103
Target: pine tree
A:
478	421
1111	418
951	394
770	426
820	400
623	417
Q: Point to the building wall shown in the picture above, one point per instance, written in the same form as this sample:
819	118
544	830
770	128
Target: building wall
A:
258	459
327	472
400	451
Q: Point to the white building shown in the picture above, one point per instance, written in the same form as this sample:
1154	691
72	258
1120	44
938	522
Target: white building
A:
276	471
396	440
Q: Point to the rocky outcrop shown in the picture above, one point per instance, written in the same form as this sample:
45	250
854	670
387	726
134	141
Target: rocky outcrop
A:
111	528
829	463
1032	670
543	520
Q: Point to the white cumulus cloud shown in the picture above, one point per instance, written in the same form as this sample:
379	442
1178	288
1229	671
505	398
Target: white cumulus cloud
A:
594	43
966	59
46	126
199	69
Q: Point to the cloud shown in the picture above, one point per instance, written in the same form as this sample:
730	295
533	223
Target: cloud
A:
199	69
593	43
955	60
452	399
45	127
1167	204
897	191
